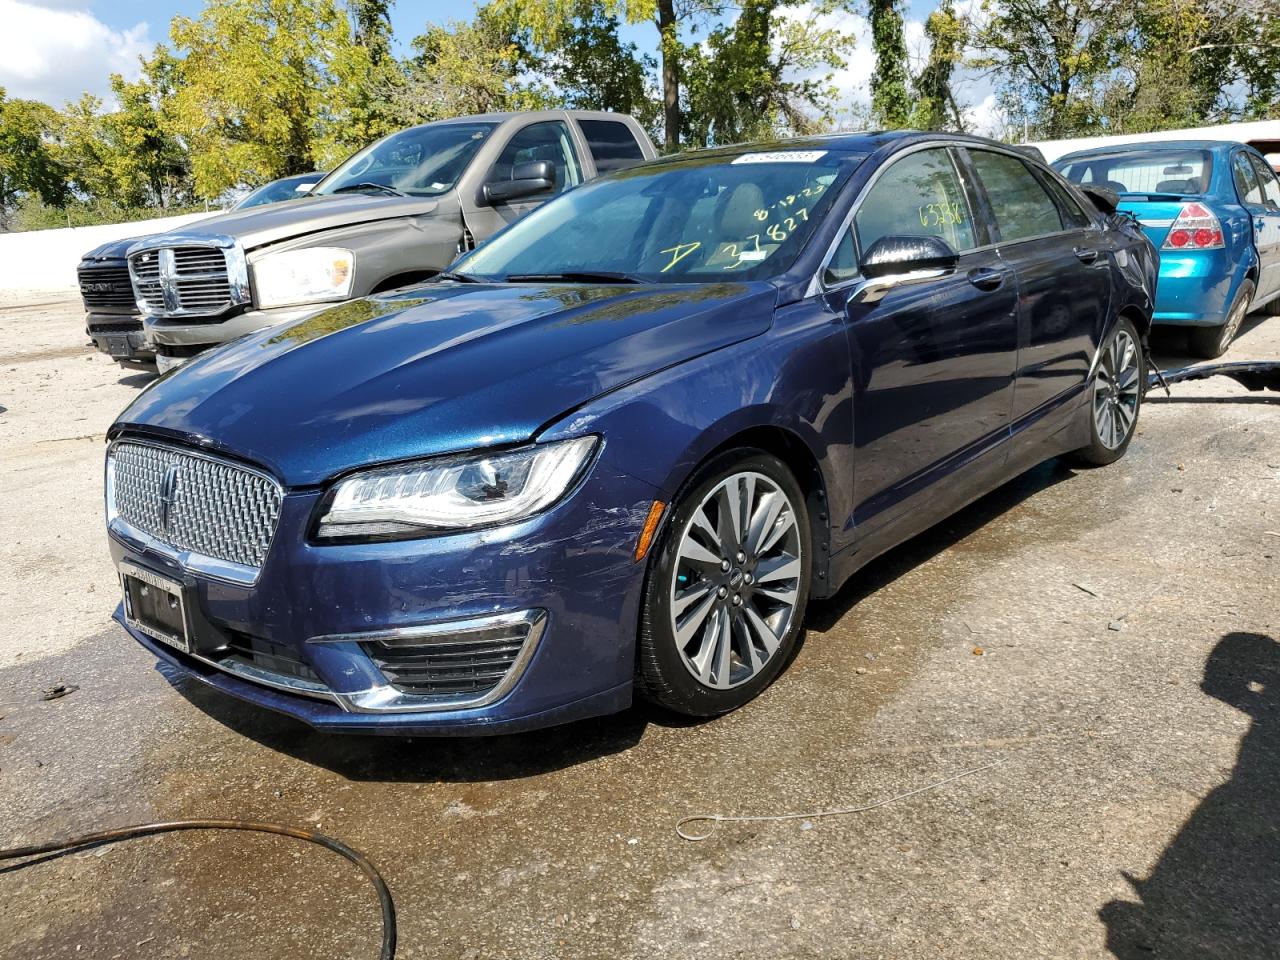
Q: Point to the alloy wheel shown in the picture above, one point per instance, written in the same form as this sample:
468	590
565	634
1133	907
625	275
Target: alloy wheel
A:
1116	390
736	581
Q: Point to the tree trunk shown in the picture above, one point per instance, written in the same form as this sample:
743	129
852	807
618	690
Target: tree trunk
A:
669	43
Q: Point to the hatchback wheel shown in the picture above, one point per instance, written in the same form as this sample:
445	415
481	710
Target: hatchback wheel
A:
726	591
1212	342
1117	396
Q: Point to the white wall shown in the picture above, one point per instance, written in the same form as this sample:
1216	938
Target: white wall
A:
46	259
1261	130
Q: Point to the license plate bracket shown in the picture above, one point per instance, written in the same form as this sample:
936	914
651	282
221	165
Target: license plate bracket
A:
155	605
119	346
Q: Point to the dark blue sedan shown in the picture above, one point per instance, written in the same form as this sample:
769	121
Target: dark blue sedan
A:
620	446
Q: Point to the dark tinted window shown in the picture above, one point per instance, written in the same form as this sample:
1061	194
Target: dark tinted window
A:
1144	170
919	195
611	143
844	262
1246	180
1022	207
541	141
1072	215
1266	179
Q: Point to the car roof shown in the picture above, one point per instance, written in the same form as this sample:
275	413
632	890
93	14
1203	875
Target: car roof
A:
861	142
1148	146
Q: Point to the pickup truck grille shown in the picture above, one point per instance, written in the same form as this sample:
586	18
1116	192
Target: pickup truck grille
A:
105	285
184	281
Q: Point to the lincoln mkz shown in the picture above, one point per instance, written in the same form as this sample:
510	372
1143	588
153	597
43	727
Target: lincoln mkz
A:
619	447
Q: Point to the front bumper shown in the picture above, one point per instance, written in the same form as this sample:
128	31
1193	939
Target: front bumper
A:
119	336
574	565
212	331
1195	288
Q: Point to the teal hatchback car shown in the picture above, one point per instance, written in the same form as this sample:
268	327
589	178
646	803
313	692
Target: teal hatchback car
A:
1212	209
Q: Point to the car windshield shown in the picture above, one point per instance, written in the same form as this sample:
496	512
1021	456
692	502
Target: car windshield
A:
695	219
1177	171
421	162
277	190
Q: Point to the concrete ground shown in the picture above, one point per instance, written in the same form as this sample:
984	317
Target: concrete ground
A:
1109	636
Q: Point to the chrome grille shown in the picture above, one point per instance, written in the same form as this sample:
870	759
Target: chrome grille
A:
459	667
105	284
194	503
184	280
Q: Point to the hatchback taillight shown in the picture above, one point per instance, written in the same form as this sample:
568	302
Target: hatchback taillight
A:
1194	229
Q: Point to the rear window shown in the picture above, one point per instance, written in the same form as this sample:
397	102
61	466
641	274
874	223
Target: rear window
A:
612	144
1178	171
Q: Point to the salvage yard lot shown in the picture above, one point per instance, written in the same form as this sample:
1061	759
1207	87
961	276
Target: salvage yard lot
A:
1108	635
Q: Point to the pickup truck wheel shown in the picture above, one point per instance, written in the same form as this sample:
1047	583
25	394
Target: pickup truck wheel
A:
1116	400
725	595
1212	342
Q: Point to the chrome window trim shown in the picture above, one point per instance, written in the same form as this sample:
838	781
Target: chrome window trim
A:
225	570
384	698
238	292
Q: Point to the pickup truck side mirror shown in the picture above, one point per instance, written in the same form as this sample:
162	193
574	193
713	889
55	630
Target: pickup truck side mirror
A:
526	179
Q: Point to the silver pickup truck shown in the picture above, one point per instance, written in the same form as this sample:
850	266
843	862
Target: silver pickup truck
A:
397	212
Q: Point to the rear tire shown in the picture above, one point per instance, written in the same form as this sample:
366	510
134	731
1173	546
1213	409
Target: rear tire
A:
728	582
1116	399
1273	307
1209	343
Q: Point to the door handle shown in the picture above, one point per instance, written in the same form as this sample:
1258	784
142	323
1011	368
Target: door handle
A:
984	278
1086	254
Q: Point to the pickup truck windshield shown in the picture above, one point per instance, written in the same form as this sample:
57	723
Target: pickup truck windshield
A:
422	161
1149	170
743	217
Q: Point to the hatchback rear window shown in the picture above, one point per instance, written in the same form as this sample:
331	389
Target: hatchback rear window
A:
1177	171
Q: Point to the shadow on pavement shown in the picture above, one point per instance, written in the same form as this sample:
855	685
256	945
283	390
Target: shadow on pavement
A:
1169	346
1215	892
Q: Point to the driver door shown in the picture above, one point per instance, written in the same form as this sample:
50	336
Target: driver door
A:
549	140
933	362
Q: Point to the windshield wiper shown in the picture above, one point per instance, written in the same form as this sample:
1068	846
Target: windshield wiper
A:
370	185
575	276
459	277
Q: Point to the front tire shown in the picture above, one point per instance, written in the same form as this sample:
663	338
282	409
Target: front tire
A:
725	596
1118	386
1210	343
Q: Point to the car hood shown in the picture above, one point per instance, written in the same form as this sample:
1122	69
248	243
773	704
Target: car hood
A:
273	222
111	250
439	369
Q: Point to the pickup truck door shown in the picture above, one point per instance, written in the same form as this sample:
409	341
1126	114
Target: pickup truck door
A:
1265	211
552	140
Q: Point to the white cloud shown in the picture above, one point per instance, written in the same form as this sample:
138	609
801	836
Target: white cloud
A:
55	50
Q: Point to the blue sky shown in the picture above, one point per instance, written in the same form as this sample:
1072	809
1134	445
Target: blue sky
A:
53	50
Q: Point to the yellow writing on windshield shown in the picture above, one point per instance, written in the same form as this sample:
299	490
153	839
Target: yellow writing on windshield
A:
679	252
940	214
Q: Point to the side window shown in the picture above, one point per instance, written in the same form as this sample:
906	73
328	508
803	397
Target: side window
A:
1072	215
541	141
919	195
1247	188
1021	206
1266	179
612	144
844	263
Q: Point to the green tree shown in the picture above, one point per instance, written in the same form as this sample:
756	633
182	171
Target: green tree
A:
548	20
256	91
764	75
1053	58
890	99
147	164
936	107
28	165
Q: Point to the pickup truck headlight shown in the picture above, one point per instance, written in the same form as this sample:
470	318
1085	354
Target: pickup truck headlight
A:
455	493
304	276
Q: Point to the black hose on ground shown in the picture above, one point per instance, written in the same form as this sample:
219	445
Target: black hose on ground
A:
147	829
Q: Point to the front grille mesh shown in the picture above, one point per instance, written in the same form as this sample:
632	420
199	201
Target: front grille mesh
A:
105	285
201	280
459	669
218	509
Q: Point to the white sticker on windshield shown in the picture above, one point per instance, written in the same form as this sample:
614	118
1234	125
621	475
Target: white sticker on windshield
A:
782	156
753	255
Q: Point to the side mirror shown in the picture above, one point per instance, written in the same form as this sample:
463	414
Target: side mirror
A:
526	180
908	254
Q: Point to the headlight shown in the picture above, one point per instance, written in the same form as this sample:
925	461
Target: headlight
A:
458	493
304	276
